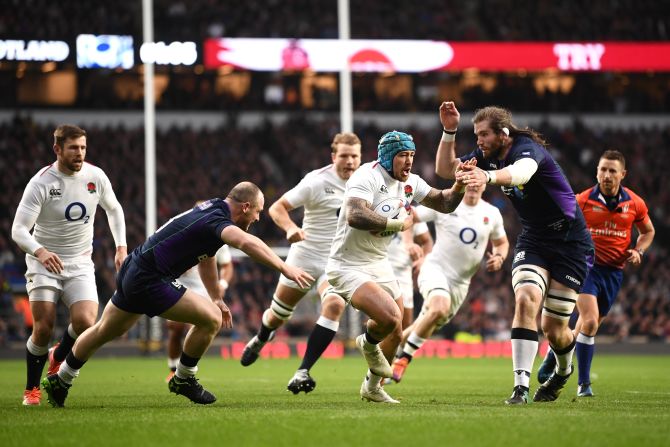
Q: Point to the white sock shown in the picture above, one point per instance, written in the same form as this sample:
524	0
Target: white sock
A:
564	361
66	373
523	355
172	362
586	339
413	344
328	323
184	372
34	349
372	380
71	332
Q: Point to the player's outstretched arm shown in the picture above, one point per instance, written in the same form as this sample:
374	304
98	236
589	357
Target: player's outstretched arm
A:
209	274
259	251
279	212
445	159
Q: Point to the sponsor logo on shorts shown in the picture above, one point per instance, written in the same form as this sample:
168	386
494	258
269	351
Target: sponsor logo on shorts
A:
177	284
202	257
574	280
519	257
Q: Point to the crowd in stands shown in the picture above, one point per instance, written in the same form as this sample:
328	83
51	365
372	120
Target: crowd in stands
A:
476	20
192	165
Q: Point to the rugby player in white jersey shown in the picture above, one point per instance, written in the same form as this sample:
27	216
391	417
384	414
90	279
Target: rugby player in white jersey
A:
60	202
320	193
375	200
192	280
461	241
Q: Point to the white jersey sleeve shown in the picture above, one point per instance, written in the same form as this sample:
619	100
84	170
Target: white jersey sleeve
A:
26	215
114	210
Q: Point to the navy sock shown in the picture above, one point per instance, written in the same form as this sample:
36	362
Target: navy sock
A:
63	347
264	333
370	339
584	355
35	364
317	343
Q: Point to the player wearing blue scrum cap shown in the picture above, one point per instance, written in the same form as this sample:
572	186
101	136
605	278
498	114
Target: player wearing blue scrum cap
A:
377	202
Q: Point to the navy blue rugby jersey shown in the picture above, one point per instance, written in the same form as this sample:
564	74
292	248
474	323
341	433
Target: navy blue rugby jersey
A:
547	201
185	239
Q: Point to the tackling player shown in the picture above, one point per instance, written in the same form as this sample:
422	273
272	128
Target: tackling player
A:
554	251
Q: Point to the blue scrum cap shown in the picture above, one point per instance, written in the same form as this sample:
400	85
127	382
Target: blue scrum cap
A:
390	144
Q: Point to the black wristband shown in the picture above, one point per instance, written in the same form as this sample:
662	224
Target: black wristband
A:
449	132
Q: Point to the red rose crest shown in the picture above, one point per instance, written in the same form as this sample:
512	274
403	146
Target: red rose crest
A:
91	188
408	190
486	220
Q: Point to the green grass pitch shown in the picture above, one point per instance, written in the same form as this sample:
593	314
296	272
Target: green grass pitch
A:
452	402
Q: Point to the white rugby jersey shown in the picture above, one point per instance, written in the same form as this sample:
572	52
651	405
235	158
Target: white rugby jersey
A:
397	251
62	208
320	193
372	183
461	237
191	277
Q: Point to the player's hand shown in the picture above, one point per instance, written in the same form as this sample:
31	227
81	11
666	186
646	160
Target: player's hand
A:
634	257
416	267
415	252
227	317
465	172
302	278
49	260
120	256
493	262
295	234
449	115
408	221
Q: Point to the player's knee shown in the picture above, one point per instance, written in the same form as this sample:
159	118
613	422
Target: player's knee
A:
280	309
530	285
333	306
82	322
42	332
589	326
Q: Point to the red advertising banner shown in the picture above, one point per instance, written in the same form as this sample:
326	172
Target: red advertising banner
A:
416	56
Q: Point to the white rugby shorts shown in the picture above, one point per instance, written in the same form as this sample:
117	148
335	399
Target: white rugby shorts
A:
347	279
75	283
306	260
432	278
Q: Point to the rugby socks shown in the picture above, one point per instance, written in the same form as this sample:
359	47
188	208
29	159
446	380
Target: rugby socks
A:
524	350
564	359
265	331
36	357
172	363
413	344
372	380
65	345
584	350
69	369
323	333
187	366
370	340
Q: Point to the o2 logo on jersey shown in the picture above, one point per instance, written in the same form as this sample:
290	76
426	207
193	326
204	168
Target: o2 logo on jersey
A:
76	211
468	236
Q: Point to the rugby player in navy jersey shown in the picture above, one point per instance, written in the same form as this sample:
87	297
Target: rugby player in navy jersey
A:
554	251
147	284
